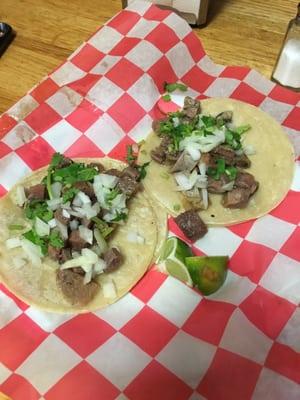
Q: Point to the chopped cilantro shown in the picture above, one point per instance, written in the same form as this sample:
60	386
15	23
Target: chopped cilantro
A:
120	217
75	172
57	158
166	97
38	209
176	207
69	194
130	157
242	129
142	170
103	227
171	87
208	121
33	237
231	172
55	240
221	168
111	195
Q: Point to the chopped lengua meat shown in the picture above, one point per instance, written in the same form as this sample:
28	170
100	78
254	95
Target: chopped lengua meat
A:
224	152
75	240
246	181
113	259
236	198
218	186
60	217
191	107
131	172
114	172
158	154
191	225
242	161
184	163
128	185
98	166
36	192
86	188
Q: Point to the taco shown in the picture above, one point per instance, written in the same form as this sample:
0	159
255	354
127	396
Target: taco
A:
76	236
223	157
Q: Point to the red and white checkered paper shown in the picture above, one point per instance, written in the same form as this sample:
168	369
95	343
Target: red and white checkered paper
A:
163	340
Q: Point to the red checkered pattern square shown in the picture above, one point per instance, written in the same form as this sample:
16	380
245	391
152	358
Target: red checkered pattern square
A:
119	152
241	229
235	72
156	14
18	388
84	147
195	47
146	287
197	79
82	383
4	149
2	193
124	74
215	314
251	260
44	90
247	94
124	21
18	302
259	309
84	116
148	320
126	112
83	85
6	124
285	361
291	246
156	382
85	333
293	119
163	37
288	210
87	58
229	377
124	46
42	118
18	339
162	72
285	95
37	153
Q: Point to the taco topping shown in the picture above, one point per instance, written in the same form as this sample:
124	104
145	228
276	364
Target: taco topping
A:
73	212
206	155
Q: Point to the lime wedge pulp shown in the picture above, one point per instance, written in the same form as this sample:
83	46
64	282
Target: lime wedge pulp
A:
208	273
172	257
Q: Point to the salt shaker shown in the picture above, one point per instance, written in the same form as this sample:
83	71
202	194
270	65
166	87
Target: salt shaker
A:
287	68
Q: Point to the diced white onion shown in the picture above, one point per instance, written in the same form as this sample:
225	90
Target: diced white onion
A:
239	152
193	152
74	225
91	211
204	143
249	150
106	180
32	251
184	181
56	189
63	230
90	255
202	168
20	196
65	213
109	290
99	266
228	186
41	227
88	276
205	198
176	122
119	202
135	237
84	198
19	262
52	223
86	234
77	201
81	261
99	191
53	204
100	241
66	206
75	254
13	242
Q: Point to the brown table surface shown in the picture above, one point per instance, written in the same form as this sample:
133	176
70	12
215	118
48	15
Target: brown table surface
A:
239	32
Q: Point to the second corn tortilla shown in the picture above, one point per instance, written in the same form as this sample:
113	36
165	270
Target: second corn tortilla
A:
272	166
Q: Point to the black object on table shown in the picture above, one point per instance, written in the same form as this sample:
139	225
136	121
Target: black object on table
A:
6	36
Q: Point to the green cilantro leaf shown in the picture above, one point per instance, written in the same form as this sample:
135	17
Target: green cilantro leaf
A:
38	209
33	237
103	227
57	158
130	157
166	97
171	87
69	194
231	172
111	195
120	217
142	170
242	129
15	227
208	121
55	240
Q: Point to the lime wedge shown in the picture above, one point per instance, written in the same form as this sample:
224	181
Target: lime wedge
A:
207	273
171	260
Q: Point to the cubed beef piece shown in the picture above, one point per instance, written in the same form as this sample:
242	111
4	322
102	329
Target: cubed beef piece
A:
76	242
166	142
156	125
128	186
86	188
73	288
65	162
131	172
224	152
113	259
172	156
78	270
242	161
65	255
114	172
60	217
246	181
191	225
191	108
208	160
225	116
36	192
220	185
54	253
237	198
158	154
98	166
184	163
